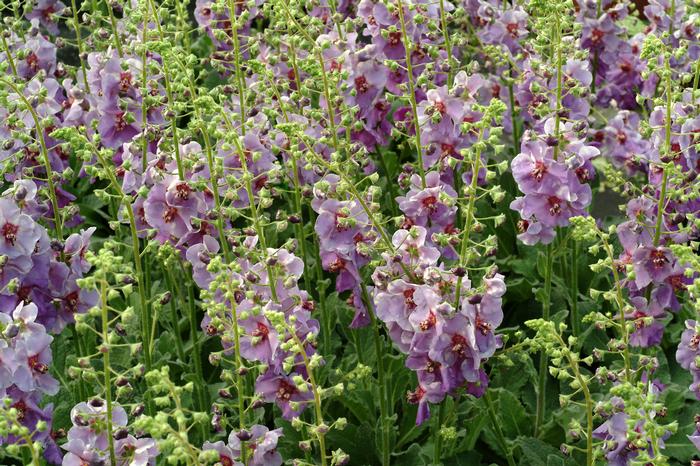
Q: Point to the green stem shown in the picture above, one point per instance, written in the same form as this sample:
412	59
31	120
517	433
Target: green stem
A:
195	336
144	80
476	166
589	401
113	21
107	374
437	437
317	396
513	121
497	428
169	95
696	79
79	40
237	57
82	390
10	60
542	382
411	92
575	324
140	279
448	45
240	392
174	315
381	378
390	181
620	301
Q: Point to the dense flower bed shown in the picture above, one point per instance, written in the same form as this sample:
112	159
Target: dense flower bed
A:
370	232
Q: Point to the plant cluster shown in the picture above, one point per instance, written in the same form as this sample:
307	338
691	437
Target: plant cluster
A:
416	232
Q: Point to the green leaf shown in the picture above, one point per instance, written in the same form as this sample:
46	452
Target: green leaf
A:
415	455
535	452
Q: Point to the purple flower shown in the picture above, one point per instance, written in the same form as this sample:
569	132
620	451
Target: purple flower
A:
259	343
43	11
26	356
170	221
433	204
19	233
226	455
283	391
614	434
536	171
263	444
688	352
652	265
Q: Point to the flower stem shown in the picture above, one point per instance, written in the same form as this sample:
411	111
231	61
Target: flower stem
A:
237	57
240	392
107	375
476	166
79	40
437	437
587	396
115	32
497	428
412	92
546	305
381	378
575	324
140	279
448	45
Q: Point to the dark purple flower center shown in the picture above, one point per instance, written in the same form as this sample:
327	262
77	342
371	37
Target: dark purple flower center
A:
459	344
361	84
554	205
512	29
21	408
169	214
394	38
676	282
408	298
125	81
440	107
71	300
225	460
597	36
9	231
538	171
337	265
33	61
483	326
694	341
522	226
658	258
47	12
285	391
415	397
182	191
430	202
119	121
429	322
432	366
37	366
261	331
583	174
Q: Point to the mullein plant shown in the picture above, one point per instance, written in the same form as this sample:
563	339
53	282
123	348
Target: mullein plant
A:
316	232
